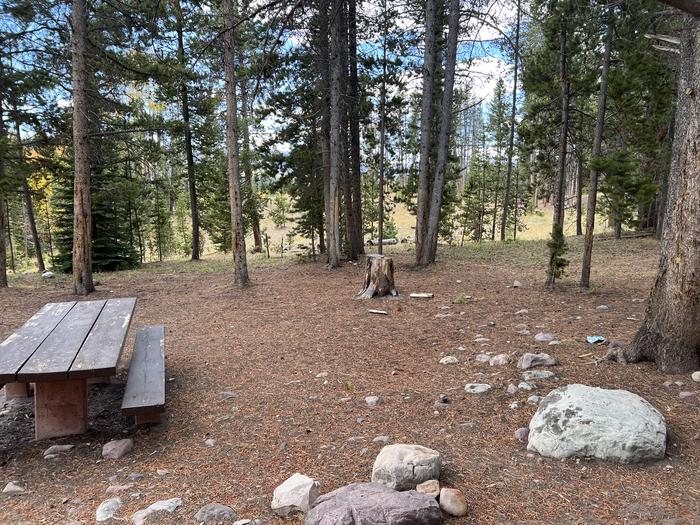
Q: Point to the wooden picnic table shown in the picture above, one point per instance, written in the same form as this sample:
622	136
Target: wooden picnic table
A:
59	349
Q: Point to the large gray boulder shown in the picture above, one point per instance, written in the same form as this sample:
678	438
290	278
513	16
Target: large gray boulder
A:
402	467
583	421
295	495
374	504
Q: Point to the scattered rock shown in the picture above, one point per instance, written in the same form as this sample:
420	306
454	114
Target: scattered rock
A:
242	522
482	340
402	467
215	513
13	489
321	375
449	360
696	376
483	358
117	448
524	385
512	389
534	399
686	395
209	442
295	495
55	450
430	488
476	388
521	434
116	489
382	440
517	284
533	375
523	311
166	505
372	401
544	337
499	360
602	307
135	476
583	421
529	360
514	405
107	509
374	504
452	502
554	343
48	275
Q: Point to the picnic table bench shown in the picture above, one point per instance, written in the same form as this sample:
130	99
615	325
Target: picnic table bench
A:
65	344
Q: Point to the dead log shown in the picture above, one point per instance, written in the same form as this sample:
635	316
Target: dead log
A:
379	277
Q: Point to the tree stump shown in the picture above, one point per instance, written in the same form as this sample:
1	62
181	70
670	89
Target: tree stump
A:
379	277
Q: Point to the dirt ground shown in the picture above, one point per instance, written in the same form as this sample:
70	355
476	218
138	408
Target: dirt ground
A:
242	369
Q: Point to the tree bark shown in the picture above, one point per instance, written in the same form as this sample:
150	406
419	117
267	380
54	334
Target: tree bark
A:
426	121
3	142
185	106
597	145
511	140
430	250
579	196
234	174
82	214
355	174
382	137
323	65
335	157
670	333
559	197
379	277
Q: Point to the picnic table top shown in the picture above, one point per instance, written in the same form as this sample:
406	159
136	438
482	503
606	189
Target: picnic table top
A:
67	341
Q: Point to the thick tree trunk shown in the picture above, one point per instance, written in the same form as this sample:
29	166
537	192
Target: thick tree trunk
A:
379	277
382	139
234	174
670	334
579	196
597	144
355	174
429	251
426	121
82	214
511	140
323	65
185	108
559	197
335	157
346	163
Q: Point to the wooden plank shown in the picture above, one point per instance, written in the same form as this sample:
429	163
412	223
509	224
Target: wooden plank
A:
145	386
55	355
100	352
16	349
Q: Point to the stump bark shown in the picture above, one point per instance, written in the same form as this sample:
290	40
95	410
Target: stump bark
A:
379	277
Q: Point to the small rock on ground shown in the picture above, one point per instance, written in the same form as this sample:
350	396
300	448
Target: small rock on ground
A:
12	488
107	509
521	434
544	337
529	360
166	505
476	388
402	467
295	495
117	448
215	513
429	488
382	440
452	502
54	450
696	376
499	360
449	360
533	375
372	401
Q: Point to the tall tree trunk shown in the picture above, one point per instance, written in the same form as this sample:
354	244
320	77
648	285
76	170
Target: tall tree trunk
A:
185	108
324	109
234	174
597	145
579	196
355	174
3	142
426	121
511	140
382	138
559	197
82	214
670	333
346	162
430	250
335	157
252	207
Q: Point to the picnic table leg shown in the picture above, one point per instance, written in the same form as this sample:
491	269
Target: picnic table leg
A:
13	390
60	408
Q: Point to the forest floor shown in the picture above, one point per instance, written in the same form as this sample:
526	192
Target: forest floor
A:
242	370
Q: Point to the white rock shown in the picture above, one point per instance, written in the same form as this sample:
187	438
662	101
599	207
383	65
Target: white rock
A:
429	488
544	337
554	343
529	360
512	389
499	360
482	340
107	509
449	360
482	358
534	399
117	448
517	284
602	307
687	394
612	425
209	443
476	388
524	385
242	522
54	450
696	376
166	505
296	495
523	311
12	489
48	275
402	467
116	489
372	401
383	440
321	375
452	502
532	375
